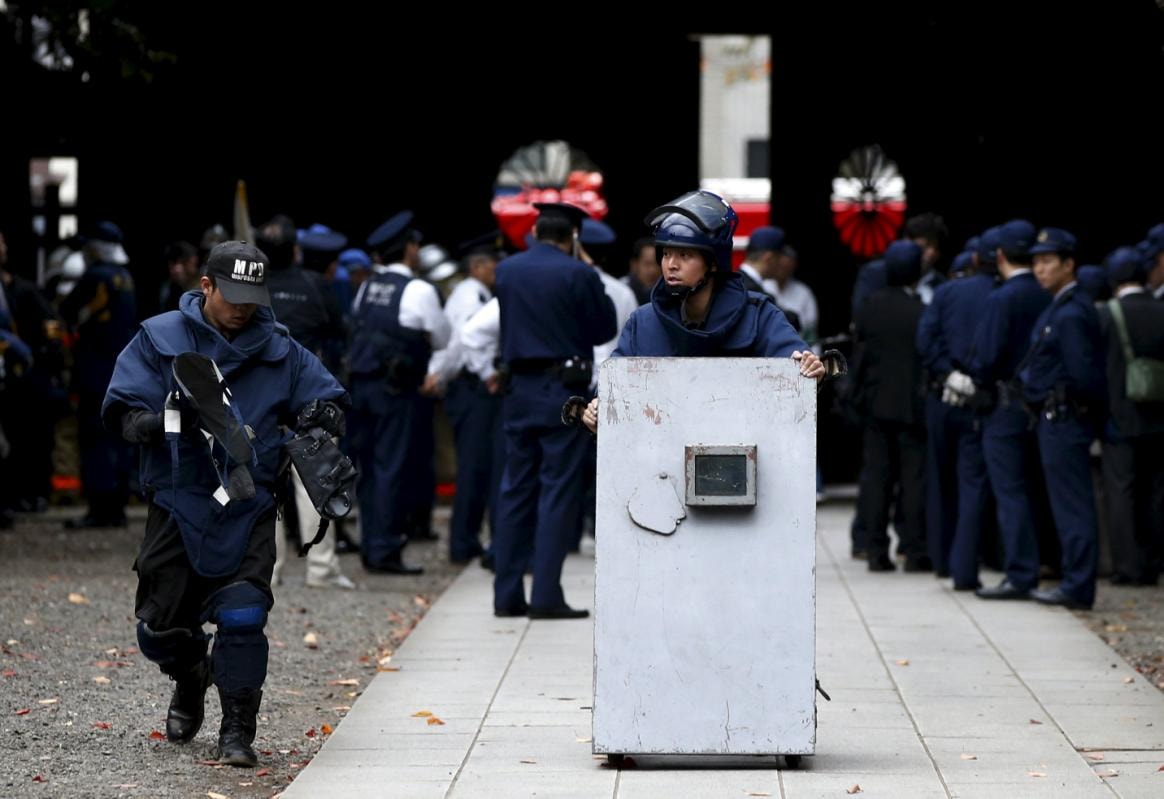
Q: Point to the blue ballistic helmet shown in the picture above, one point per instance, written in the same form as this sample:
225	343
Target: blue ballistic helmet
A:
699	220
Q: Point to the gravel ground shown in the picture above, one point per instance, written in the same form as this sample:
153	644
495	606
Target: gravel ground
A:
81	709
1131	620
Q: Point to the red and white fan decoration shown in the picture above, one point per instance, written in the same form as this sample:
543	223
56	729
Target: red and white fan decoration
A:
868	201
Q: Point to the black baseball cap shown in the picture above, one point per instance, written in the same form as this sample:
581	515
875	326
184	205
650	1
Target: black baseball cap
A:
239	270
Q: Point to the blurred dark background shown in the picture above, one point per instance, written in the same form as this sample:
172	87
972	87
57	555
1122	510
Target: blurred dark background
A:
990	110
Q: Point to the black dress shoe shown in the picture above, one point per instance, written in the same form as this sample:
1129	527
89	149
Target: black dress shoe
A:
919	563
90	522
393	565
508	613
423	536
1057	596
858	554
563	612
1004	590
881	563
968	587
487	561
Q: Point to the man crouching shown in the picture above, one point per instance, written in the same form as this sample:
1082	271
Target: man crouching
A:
204	390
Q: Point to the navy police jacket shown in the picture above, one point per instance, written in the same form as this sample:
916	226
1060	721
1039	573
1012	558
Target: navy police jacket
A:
103	309
1004	329
1067	352
739	323
553	307
270	376
946	331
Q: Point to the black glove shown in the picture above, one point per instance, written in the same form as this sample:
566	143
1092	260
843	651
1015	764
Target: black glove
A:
140	426
321	413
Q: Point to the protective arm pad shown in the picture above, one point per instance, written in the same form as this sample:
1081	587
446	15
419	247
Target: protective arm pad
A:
140	426
321	413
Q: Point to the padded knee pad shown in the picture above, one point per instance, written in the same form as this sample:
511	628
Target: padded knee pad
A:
175	651
238	608
240	652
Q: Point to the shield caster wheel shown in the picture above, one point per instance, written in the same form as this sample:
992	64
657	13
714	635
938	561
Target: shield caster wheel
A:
792	761
615	761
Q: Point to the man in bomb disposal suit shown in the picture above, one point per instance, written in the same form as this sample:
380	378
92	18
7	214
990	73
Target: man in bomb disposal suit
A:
210	458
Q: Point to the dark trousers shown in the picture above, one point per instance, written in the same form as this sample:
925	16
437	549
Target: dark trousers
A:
942	427
893	453
380	426
541	492
105	461
476	418
975	502
1011	457
172	596
421	474
1133	475
1063	446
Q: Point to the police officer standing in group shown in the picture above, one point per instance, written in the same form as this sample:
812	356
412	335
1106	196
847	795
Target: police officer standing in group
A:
473	408
398	322
553	312
102	309
1063	380
957	491
204	390
1132	325
1008	446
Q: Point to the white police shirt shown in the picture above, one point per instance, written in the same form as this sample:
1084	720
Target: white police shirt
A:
625	304
420	305
798	298
481	340
467	297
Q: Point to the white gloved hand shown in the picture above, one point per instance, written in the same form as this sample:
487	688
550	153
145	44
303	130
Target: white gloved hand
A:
958	390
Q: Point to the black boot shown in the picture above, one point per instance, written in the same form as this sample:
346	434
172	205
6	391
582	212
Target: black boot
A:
239	709
188	704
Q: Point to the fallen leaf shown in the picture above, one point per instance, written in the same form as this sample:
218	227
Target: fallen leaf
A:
8	673
214	795
310	733
757	793
420	601
39	778
311	640
854	789
384	661
1107	773
435	721
157	736
1036	774
1129	679
529	760
262	772
12	642
1116	628
1160	769
342	708
102	725
292	692
52	701
78	599
352	681
388	668
421	714
111	664
326	729
1095	756
903	662
125	785
207	762
112	651
969	757
583	740
1035	721
246	784
23	711
101	679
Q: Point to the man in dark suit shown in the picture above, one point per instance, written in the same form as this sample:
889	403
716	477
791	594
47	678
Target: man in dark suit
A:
891	394
1133	472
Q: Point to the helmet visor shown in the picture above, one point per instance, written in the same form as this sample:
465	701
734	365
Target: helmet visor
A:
703	208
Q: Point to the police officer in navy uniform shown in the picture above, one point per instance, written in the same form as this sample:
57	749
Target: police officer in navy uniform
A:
398	323
473	407
553	312
102	309
208	551
1008	446
1133	470
957	491
1064	380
